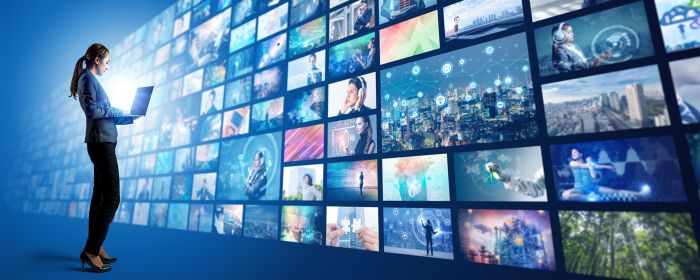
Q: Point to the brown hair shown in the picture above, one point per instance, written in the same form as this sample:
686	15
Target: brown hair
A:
93	52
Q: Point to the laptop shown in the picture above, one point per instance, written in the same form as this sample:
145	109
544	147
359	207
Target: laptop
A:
141	101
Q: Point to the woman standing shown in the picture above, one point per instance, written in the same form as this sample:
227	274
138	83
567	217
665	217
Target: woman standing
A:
101	139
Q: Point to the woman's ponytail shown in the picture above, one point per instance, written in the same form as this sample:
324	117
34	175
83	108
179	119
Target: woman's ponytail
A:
76	74
93	52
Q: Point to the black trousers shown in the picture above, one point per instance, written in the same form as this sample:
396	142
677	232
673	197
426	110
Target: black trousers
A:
105	194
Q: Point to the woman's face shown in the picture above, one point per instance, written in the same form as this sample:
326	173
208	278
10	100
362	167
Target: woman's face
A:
102	64
305	180
360	125
575	154
569	31
257	161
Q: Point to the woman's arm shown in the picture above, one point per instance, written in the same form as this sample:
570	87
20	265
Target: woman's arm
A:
123	120
88	91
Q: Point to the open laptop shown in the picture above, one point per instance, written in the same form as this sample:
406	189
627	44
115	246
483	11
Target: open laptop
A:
141	101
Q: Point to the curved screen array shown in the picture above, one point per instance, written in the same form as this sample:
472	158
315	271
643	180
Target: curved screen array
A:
479	131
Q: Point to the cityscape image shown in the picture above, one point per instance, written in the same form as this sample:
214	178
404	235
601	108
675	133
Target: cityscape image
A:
470	19
628	99
479	94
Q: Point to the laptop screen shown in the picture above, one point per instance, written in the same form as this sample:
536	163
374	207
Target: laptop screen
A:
141	100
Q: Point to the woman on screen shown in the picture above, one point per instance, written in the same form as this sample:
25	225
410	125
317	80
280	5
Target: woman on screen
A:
101	138
256	182
363	127
585	176
567	56
307	189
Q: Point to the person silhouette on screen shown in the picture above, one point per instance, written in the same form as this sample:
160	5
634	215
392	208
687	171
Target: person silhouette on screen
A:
362	182
101	138
429	231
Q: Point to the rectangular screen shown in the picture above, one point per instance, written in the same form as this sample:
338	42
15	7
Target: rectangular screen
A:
423	232
471	19
679	23
273	21
602	38
352	96
267	115
354	18
352	137
307	70
409	38
261	221
353	227
629	244
398	10
641	169
514	174
686	82
305	106
352	181
228	219
352	57
304	182
272	50
250	167
307	36
416	178
302	224
305	143
520	238
628	99
451	99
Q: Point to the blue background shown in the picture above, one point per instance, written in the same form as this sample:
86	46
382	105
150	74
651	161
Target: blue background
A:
41	41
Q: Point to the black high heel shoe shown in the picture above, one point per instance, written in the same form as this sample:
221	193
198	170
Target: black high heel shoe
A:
84	259
108	260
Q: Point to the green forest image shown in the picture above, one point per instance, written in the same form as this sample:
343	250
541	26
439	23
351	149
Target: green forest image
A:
634	245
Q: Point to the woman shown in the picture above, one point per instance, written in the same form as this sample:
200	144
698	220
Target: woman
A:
101	138
355	97
366	145
256	182
585	175
307	189
567	56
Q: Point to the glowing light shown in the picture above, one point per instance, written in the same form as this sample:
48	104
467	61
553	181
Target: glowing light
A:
518	240
415	70
446	68
489	50
440	100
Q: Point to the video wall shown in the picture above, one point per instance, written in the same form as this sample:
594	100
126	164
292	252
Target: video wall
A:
554	135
